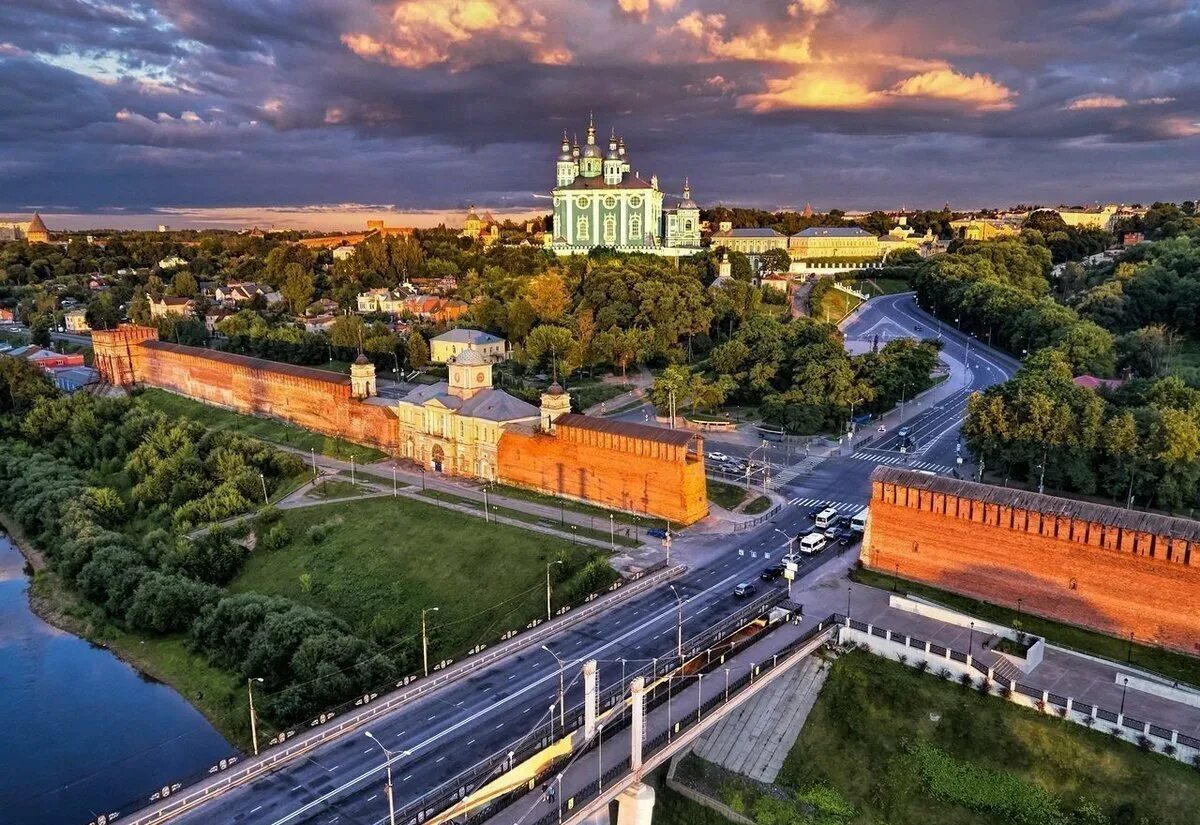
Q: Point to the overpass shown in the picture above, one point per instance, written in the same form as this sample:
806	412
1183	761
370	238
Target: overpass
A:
658	717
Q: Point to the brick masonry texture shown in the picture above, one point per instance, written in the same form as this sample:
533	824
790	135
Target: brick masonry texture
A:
640	475
637	475
318	402
1095	572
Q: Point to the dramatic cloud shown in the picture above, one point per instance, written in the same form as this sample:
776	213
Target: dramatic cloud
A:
222	107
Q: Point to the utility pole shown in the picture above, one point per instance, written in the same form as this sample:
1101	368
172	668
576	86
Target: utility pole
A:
562	714
550	615
253	719
678	627
425	638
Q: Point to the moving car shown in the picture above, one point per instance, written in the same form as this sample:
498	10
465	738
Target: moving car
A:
657	532
744	589
771	573
834	532
718	457
827	518
849	539
812	514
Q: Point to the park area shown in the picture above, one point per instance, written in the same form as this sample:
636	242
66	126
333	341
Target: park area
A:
888	744
264	429
377	562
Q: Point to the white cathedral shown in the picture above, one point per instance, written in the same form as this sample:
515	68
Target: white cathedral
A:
599	201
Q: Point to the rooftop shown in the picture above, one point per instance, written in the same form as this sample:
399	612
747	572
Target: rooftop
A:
629	429
467	336
749	232
833	232
1040	503
233	359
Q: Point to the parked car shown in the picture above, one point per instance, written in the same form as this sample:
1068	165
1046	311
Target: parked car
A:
771	573
657	532
744	589
791	558
720	458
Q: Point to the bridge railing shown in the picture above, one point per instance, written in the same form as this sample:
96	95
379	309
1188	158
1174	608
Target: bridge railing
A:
174	798
679	725
462	785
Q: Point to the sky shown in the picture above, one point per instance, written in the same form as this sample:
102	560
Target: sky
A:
322	113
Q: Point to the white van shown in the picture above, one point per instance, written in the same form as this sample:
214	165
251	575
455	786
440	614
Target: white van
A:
813	543
858	524
827	518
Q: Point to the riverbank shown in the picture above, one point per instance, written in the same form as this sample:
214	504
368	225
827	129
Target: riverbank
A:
216	694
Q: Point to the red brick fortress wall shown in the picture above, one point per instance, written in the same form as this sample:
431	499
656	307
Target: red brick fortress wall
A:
1102	567
625	472
314	399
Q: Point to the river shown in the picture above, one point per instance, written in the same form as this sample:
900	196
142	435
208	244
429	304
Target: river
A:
81	732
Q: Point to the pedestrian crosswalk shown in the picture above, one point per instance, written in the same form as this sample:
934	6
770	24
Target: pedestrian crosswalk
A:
844	508
790	472
903	460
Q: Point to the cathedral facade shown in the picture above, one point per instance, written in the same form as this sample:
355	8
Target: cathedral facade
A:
600	201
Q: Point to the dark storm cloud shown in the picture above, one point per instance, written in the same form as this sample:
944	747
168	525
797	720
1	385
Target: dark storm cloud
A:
437	103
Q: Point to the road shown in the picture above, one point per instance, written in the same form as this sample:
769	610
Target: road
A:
469	720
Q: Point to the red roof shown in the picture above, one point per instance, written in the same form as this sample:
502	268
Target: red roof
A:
1091	382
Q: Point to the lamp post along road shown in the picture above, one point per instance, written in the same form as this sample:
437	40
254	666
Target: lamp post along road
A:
253	720
388	755
425	638
678	626
562	714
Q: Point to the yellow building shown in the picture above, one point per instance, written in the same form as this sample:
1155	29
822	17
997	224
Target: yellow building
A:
903	237
1100	217
76	321
750	241
171	305
448	345
822	243
454	426
983	229
483	229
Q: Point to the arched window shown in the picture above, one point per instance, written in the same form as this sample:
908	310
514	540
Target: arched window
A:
687	225
635	228
610	230
581	230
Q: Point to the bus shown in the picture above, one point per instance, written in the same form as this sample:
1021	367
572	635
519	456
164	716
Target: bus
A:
858	524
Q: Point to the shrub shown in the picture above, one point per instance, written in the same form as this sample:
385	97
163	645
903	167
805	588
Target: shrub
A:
316	533
922	666
213	558
965	680
984	687
1005	691
1145	743
1169	749
945	673
275	539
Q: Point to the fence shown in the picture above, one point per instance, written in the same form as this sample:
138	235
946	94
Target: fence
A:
899	646
293	742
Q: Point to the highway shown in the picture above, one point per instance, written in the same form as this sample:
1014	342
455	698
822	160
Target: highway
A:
483	714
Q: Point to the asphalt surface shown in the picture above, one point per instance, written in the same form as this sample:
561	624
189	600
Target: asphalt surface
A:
470	720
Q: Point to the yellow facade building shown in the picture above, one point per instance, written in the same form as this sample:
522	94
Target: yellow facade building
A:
750	241
983	229
484	229
450	344
822	243
454	426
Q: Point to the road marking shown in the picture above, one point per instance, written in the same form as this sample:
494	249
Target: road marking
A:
405	779
440	759
472	742
667	613
369	799
298	787
431	718
254	810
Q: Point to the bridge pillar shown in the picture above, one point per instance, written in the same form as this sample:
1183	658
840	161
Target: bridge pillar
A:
637	710
635	805
589	699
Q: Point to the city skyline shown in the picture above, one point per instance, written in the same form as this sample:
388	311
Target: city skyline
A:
202	111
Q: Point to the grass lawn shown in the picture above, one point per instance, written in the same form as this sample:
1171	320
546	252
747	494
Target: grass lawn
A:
759	505
621	536
1174	666
725	495
885	286
835	306
588	394
382	560
264	429
334	489
984	761
521	494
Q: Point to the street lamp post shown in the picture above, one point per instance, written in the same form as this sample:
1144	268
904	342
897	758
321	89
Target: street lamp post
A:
678	627
313	450
253	719
600	758
849	590
612	534
388	756
549	615
394	490
562	714
263	479
1124	687
425	637
971	642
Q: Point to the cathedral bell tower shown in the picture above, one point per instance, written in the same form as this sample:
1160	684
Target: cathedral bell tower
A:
556	403
469	374
568	167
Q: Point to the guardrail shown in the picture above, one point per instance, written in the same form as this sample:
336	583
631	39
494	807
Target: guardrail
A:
283	748
654	747
458	787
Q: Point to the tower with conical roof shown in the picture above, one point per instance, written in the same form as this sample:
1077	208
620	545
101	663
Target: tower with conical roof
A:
362	378
37	232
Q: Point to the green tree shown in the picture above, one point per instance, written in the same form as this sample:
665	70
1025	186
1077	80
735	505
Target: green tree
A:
417	350
298	287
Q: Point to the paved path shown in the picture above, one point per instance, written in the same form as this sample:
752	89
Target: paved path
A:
754	739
